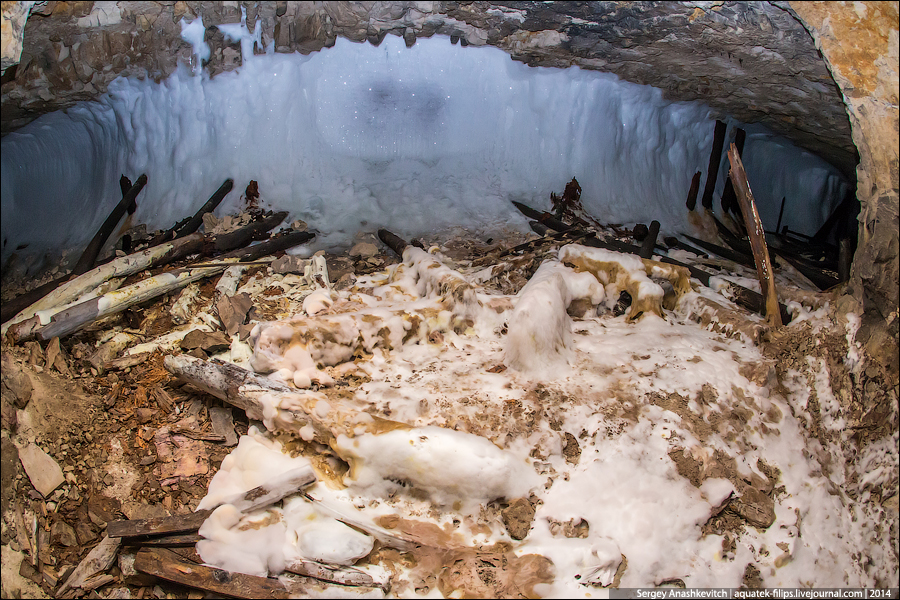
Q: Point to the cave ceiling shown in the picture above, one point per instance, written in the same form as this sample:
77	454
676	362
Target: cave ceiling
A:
750	60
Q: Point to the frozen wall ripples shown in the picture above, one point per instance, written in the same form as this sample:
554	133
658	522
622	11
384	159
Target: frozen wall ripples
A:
357	137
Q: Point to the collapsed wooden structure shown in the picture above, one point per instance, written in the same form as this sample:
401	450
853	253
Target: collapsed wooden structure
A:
163	547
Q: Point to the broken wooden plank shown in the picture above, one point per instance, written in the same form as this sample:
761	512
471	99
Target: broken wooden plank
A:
76	316
96	562
259	497
757	236
158	526
394	242
715	157
164	541
335	574
67	289
167	565
89	256
251	232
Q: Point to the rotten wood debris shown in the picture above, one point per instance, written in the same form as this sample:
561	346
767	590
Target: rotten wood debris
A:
161	547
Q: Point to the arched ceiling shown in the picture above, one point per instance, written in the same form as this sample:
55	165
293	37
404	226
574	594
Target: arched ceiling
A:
751	60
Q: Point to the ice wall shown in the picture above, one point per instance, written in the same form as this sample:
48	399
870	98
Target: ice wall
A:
355	137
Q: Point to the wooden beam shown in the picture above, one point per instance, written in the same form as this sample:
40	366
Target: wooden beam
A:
74	317
693	191
98	560
197	220
245	235
68	289
158	526
757	236
192	224
715	157
650	241
89	256
167	565
394	242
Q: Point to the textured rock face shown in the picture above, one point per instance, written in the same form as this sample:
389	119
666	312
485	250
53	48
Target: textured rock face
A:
751	60
859	41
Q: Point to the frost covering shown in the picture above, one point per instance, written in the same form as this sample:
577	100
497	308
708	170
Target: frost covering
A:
355	137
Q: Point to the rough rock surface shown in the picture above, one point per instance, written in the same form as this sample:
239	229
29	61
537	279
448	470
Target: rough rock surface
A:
752	60
859	42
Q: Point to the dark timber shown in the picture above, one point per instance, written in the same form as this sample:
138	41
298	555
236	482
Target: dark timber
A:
650	241
714	158
394	242
89	256
692	193
192	224
747	298
757	236
729	200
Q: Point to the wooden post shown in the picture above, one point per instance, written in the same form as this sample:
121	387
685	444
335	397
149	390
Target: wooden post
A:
729	201
757	236
211	204
394	242
650	241
692	193
89	256
845	259
714	158
245	235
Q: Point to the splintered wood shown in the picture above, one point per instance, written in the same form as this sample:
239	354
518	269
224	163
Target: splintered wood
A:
757	236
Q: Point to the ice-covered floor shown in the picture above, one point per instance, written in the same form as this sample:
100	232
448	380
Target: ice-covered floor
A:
627	436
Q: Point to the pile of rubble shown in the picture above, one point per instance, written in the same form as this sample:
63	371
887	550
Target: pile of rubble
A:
447	411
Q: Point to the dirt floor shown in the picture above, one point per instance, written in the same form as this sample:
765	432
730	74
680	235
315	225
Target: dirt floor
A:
132	442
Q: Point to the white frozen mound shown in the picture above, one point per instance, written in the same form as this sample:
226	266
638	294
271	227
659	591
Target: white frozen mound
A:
539	328
456	469
255	461
314	536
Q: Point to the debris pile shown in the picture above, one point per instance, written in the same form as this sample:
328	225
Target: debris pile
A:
548	416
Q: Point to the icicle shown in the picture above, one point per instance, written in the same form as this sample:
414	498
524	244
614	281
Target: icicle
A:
193	33
240	33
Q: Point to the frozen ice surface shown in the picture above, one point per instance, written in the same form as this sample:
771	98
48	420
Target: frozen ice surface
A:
356	137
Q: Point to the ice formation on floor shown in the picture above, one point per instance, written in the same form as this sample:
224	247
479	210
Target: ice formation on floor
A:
447	431
355	137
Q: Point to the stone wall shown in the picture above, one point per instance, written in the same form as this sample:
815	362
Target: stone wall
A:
859	41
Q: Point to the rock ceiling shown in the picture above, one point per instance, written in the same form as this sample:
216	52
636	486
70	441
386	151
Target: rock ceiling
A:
751	60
